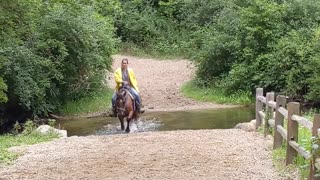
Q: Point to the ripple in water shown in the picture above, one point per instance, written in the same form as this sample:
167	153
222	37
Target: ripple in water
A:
143	124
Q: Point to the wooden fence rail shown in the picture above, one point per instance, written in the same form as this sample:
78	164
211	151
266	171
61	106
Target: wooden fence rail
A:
271	114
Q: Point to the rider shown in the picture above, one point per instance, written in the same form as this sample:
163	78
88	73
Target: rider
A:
124	77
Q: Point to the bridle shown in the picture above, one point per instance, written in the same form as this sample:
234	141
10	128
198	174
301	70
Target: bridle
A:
124	98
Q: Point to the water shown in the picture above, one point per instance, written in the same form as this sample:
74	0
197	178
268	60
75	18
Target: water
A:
161	121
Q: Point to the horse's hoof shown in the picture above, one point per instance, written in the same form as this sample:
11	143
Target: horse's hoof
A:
127	130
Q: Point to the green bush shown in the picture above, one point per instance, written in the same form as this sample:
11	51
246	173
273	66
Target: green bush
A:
80	43
270	47
30	78
57	51
3	89
313	80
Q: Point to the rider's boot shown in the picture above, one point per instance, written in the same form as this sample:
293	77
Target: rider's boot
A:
140	108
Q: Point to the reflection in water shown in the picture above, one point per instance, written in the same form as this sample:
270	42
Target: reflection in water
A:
162	121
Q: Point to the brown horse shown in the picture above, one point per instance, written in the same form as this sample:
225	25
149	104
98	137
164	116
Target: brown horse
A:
125	108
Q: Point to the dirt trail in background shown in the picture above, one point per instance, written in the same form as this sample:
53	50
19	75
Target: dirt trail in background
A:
160	82
202	154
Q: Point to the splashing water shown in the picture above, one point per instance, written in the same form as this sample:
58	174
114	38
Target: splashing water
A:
143	124
161	121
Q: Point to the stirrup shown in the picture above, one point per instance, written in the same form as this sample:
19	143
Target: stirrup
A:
139	107
141	110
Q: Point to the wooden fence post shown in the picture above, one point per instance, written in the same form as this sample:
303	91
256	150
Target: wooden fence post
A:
316	126
292	135
278	139
269	112
259	105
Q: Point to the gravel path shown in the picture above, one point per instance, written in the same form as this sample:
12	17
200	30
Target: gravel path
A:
201	154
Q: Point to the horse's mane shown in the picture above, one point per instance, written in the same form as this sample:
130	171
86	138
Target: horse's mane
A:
122	93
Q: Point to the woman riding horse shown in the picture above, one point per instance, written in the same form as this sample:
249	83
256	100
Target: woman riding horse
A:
124	77
125	108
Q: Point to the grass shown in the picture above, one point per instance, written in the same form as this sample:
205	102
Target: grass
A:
7	141
99	102
300	164
279	161
215	95
304	139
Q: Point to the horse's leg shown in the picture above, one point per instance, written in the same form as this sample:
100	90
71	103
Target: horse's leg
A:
128	121
135	118
128	125
122	123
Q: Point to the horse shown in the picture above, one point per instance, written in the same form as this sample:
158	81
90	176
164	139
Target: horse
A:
125	108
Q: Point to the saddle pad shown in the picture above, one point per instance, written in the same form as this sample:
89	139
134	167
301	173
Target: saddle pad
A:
134	102
132	97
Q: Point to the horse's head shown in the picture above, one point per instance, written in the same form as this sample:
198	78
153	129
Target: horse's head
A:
121	102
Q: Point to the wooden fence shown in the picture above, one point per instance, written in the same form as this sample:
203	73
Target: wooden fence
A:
271	114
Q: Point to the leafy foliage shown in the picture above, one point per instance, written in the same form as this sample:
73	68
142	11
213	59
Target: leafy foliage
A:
80	42
51	52
238	45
